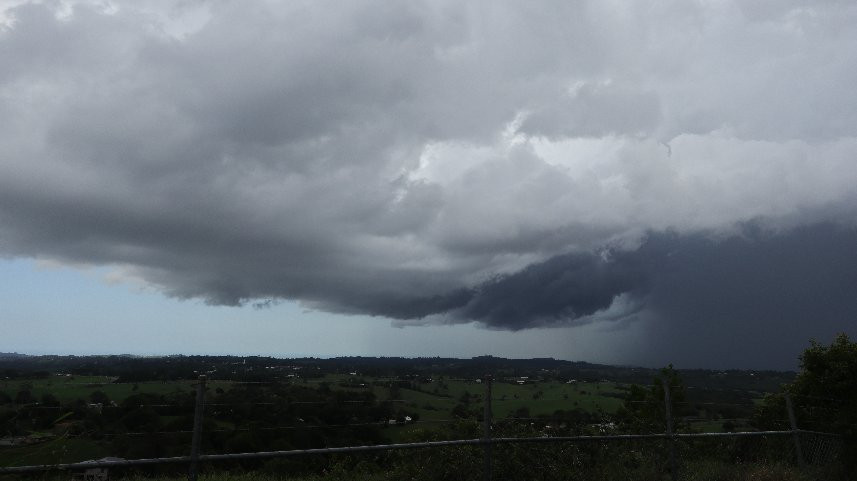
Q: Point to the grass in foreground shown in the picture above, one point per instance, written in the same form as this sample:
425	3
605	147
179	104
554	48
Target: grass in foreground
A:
703	471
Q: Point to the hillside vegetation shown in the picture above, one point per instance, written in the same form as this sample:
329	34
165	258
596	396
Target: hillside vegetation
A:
69	409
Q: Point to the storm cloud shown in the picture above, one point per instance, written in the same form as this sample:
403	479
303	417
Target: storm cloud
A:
517	165
754	297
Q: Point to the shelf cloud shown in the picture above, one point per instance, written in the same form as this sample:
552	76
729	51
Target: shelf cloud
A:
517	165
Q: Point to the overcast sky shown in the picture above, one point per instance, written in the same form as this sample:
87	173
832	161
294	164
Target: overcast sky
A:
623	182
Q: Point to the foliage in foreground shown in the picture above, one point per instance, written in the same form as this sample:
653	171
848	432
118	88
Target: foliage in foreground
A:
824	396
703	471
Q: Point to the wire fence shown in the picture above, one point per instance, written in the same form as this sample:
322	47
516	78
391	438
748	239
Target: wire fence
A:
507	445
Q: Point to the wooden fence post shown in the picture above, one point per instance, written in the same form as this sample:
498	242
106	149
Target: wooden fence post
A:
795	431
672	439
197	429
486	427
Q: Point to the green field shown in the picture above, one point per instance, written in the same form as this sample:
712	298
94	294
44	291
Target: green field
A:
433	403
430	402
71	388
57	450
434	400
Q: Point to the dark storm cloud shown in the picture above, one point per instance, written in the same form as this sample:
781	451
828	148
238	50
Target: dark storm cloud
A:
755	298
561	290
427	160
751	298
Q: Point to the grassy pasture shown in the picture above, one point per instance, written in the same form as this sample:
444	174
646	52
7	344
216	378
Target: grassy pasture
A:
431	401
541	399
436	399
68	389
57	450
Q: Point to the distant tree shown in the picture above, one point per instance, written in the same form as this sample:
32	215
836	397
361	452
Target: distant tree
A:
460	411
824	394
24	397
645	409
828	379
49	399
521	412
99	397
393	391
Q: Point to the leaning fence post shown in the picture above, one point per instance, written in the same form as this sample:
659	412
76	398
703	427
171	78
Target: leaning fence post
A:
795	431
672	440
486	425
197	429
